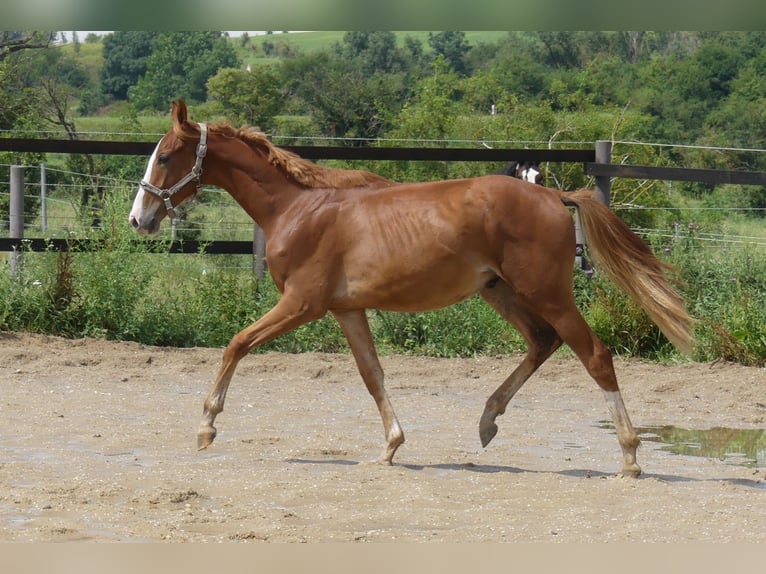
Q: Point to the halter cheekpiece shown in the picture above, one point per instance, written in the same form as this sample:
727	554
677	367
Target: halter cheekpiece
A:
194	174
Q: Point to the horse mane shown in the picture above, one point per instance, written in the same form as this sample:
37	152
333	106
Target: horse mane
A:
302	171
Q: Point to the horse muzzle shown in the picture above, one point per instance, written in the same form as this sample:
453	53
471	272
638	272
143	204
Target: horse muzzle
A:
144	227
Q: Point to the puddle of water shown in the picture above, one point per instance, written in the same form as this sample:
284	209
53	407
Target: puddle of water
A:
741	447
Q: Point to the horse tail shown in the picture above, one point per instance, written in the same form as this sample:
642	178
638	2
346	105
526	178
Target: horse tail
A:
630	263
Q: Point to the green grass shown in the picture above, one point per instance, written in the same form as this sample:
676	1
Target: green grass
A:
303	41
744	227
310	41
152	127
89	55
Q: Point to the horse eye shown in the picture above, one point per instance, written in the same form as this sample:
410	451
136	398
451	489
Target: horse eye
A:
163	159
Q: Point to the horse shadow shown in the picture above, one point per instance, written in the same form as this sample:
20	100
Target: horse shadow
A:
571	473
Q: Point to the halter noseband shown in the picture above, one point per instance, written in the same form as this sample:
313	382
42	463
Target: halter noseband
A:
195	173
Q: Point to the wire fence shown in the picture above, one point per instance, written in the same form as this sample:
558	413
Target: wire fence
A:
218	217
224	219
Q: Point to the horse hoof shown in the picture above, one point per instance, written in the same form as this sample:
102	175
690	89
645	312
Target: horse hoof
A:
487	432
385	459
633	471
205	437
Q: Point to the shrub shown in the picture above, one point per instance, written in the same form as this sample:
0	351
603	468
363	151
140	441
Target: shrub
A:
466	329
127	291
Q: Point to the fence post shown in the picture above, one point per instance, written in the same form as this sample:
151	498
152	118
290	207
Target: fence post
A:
579	242
603	183
603	192
43	199
259	252
16	212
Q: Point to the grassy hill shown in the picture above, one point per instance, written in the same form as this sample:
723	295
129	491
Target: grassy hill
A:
250	50
307	42
89	54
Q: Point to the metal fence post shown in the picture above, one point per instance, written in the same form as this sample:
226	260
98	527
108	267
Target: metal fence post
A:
603	192
43	199
603	183
259	252
579	242
16	212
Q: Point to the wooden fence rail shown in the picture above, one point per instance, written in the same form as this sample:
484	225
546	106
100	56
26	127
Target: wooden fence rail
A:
708	176
38	244
17	244
316	152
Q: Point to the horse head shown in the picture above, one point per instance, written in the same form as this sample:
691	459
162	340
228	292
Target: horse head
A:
173	173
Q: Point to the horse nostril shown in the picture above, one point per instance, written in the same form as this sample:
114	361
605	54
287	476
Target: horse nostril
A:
133	221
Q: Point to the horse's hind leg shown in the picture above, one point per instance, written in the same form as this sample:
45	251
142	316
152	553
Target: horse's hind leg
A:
357	331
542	340
598	362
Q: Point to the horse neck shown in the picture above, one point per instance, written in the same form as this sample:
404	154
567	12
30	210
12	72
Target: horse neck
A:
260	188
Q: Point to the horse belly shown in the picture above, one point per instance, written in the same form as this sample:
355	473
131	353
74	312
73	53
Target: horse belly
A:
413	289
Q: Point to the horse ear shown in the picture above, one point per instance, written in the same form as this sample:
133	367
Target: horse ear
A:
179	112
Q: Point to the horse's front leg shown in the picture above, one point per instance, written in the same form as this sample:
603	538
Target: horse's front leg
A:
285	316
357	331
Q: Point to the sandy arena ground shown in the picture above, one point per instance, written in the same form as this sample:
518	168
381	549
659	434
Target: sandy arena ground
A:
98	444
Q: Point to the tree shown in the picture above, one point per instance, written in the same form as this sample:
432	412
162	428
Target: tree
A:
376	52
414	55
633	44
517	73
430	114
17	41
355	89
125	55
249	97
560	49
61	80
180	66
64	81
21	103
345	100
76	42
452	46
740	120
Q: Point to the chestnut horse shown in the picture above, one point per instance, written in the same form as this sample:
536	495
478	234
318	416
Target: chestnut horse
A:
345	241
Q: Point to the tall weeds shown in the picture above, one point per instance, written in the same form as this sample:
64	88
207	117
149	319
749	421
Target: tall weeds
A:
125	292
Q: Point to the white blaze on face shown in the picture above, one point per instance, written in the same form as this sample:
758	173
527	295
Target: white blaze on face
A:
138	203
